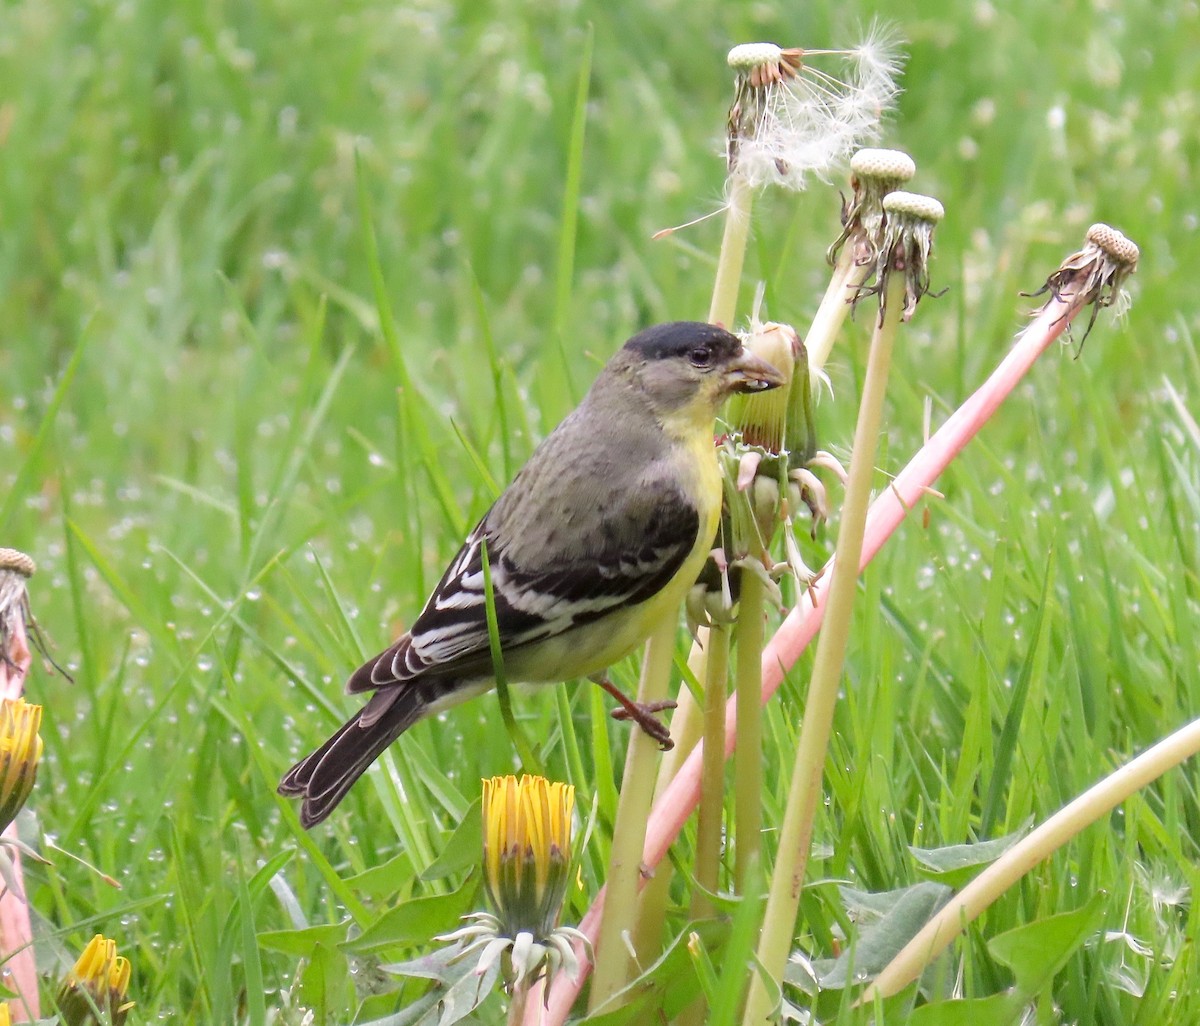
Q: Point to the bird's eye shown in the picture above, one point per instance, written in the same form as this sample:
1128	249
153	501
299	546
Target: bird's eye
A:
701	356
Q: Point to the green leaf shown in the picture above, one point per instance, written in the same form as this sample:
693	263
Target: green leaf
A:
302	943
996	1010
414	921
394	876
957	864
464	850
900	915
1036	951
325	986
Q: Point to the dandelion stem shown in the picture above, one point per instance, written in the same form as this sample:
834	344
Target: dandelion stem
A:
629	830
686	725
1038	846
747	761
518	1002
712	775
733	253
805	793
845	280
675	805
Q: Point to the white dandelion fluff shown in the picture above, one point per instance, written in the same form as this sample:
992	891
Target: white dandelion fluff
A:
790	119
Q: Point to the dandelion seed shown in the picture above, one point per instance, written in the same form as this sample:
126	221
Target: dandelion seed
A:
789	118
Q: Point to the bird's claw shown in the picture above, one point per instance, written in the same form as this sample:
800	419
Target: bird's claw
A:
643	714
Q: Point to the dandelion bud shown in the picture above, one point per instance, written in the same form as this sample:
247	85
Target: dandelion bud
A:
762	418
764	504
20	751
526	862
873	174
527	850
95	988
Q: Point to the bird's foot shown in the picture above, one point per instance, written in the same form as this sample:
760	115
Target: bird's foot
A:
641	713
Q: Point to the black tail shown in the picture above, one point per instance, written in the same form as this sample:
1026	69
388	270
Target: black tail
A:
324	777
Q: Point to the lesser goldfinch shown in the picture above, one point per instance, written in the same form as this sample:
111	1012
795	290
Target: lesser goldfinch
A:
600	534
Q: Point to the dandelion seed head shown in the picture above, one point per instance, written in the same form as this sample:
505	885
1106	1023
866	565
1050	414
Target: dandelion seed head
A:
914	206
1115	244
790	118
887	165
745	56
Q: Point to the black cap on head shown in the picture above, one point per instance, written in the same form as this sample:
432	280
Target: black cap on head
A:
680	337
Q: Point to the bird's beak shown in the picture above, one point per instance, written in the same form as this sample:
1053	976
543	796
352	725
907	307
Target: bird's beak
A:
750	373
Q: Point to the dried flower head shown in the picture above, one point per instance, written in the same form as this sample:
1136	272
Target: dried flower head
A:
788	118
527	862
95	988
1096	275
873	174
20	752
909	220
15	570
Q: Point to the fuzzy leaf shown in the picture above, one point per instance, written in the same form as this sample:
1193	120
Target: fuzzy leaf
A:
957	864
898	915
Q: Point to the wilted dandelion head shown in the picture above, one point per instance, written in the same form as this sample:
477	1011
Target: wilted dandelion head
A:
907	238
15	570
790	118
873	174
1096	275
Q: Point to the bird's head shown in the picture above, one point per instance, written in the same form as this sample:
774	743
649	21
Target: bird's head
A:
686	369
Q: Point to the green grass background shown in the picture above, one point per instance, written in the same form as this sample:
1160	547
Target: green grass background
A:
239	472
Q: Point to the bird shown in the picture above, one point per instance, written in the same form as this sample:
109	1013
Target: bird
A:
600	535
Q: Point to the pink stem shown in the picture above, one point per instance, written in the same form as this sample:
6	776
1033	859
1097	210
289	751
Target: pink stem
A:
16	932
800	626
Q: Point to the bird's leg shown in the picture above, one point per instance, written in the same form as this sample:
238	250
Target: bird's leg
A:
641	713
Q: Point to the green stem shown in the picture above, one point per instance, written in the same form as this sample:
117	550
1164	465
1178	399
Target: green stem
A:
712	775
733	253
747	757
805	793
686	723
629	830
